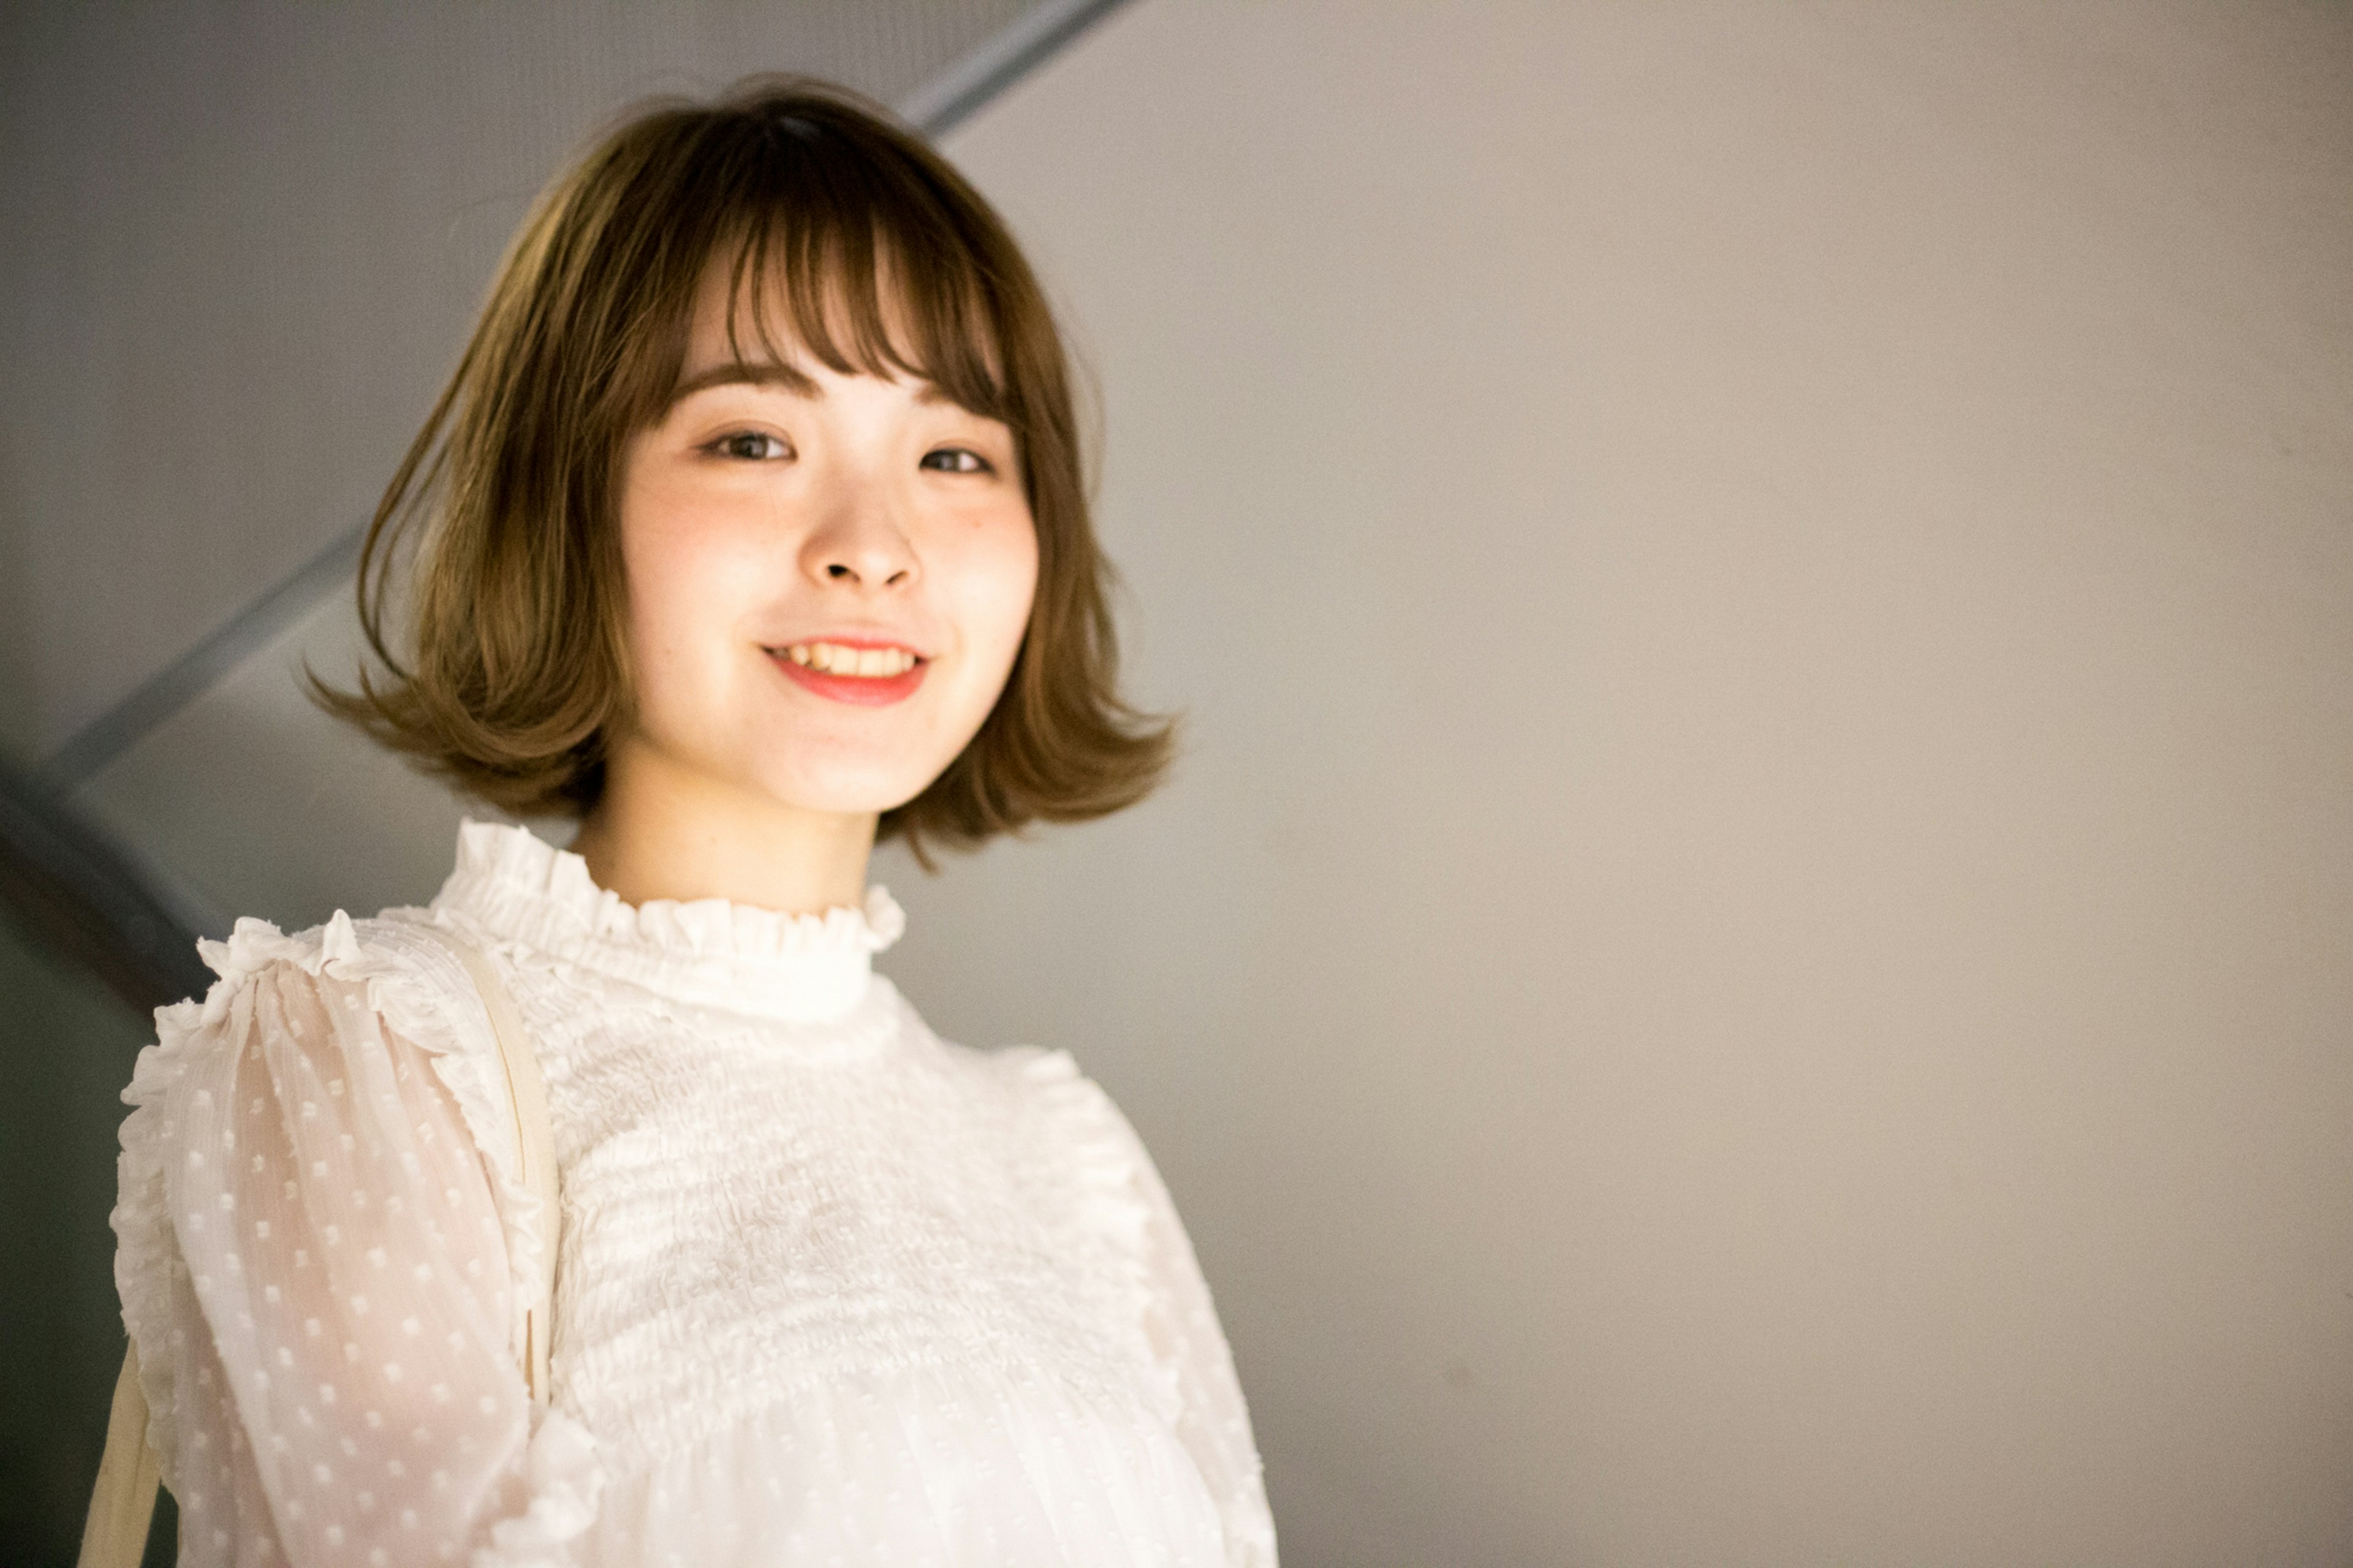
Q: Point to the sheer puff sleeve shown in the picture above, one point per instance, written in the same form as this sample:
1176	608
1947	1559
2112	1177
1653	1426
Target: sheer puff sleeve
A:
323	1253
1181	1323
1191	1360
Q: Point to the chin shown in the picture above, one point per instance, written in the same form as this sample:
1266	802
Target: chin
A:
847	792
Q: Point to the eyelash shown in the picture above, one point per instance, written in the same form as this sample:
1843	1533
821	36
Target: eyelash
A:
724	448
984	465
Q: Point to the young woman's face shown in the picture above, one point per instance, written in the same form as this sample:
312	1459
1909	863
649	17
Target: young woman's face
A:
829	576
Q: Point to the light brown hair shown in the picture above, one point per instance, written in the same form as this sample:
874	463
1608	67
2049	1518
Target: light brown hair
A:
518	667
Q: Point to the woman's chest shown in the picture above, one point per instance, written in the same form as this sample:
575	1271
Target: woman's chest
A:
748	1211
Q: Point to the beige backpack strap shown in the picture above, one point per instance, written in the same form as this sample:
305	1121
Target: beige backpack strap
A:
534	1145
123	1503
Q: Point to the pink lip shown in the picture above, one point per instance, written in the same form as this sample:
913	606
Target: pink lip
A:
861	690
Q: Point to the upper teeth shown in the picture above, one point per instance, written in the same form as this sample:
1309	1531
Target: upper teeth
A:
834	660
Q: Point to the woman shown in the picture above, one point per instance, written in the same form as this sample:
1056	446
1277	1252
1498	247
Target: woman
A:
754	532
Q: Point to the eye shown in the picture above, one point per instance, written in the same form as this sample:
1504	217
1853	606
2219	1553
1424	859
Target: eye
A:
750	445
956	460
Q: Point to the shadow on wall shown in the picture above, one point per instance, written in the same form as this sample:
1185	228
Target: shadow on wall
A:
88	951
67	1045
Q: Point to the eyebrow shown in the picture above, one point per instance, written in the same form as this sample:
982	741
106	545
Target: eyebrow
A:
775	372
769	372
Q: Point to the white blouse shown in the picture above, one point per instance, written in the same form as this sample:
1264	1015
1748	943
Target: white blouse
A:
829	1288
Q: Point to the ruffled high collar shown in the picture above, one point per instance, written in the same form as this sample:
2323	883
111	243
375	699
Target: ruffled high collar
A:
711	953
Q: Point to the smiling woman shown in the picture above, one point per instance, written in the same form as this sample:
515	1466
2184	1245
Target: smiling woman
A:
830	578
704	263
752	529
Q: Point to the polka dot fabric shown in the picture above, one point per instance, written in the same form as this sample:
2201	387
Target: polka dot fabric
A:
831	1289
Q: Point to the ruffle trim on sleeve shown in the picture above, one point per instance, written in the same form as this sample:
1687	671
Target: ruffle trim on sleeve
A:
565	1480
144	1252
1121	1197
422	994
1105	1156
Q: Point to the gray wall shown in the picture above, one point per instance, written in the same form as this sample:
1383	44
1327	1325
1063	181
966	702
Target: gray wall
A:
1746	963
65	1050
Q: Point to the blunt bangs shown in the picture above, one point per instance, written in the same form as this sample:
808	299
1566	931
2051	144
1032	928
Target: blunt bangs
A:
882	292
860	263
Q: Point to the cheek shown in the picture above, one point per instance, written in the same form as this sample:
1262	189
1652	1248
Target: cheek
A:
657	625
1001	581
685	567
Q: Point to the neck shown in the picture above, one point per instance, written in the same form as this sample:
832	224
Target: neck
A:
662	831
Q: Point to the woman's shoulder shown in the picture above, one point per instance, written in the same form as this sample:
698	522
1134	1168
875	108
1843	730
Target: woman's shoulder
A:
381	990
1058	1109
396	963
1028	1080
355	1007
331	1089
1041	1087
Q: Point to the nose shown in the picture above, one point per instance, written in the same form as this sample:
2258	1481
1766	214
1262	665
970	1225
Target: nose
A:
860	545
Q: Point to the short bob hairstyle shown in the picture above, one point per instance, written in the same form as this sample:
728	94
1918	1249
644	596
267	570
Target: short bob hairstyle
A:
517	668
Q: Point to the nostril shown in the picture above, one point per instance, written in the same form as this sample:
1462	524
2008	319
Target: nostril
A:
839	570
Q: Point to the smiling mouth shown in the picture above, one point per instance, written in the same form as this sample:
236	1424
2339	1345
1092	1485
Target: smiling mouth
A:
839	658
862	677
